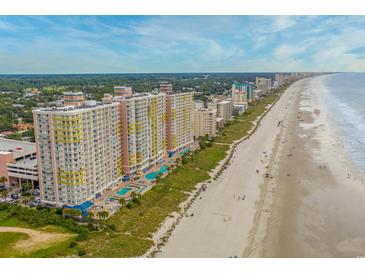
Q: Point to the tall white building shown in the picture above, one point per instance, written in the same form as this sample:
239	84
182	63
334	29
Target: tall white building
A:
143	130
179	120
263	84
78	151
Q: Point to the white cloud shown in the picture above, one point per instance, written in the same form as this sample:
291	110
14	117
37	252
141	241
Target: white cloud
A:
282	23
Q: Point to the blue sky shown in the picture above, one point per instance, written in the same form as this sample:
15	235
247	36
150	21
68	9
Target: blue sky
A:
92	44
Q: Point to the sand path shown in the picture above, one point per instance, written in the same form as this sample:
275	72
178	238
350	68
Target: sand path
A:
36	238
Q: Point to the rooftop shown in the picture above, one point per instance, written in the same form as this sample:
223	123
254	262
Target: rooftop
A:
73	93
18	148
244	84
28	163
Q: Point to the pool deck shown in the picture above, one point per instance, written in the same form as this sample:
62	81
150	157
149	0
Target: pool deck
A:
109	200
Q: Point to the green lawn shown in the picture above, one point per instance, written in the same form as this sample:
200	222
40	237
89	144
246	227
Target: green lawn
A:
7	239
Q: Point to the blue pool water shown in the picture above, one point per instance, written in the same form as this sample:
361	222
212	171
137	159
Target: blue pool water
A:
123	191
184	151
153	175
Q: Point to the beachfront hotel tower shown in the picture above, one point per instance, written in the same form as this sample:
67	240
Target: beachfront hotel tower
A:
143	130
78	151
205	122
242	92
179	120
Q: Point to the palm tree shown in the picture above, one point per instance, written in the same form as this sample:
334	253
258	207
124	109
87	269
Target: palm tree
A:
178	160
133	194
103	214
122	202
158	178
2	180
90	216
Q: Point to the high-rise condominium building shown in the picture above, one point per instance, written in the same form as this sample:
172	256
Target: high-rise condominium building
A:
143	130
263	84
242	92
78	151
165	88
224	109
205	122
179	120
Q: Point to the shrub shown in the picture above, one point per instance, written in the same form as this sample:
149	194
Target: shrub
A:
81	236
81	252
72	244
112	227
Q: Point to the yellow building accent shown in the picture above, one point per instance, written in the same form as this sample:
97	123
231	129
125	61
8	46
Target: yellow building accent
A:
71	178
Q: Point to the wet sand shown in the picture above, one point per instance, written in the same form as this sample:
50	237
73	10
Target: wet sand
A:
318	203
311	207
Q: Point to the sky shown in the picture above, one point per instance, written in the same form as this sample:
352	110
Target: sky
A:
137	44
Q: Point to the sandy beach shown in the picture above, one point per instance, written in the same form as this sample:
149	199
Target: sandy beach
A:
317	208
308	207
224	215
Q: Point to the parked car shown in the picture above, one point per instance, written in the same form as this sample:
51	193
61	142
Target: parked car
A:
14	196
36	192
2	186
10	201
36	202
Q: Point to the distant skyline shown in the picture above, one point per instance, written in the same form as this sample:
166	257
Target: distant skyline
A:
163	44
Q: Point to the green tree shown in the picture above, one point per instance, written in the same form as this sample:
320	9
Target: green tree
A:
133	194
122	202
2	180
103	214
178	161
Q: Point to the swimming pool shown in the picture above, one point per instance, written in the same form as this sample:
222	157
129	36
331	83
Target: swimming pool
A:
153	175
184	151
124	190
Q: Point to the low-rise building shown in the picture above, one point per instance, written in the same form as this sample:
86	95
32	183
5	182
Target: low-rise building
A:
165	87
123	91
18	162
239	108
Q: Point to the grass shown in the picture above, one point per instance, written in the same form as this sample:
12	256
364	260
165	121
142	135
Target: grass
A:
59	249
134	227
7	240
12	221
105	245
243	123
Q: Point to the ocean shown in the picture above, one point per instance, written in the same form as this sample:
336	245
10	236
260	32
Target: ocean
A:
346	103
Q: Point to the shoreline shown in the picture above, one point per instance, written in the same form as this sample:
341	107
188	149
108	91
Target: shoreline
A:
172	249
315	208
164	232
